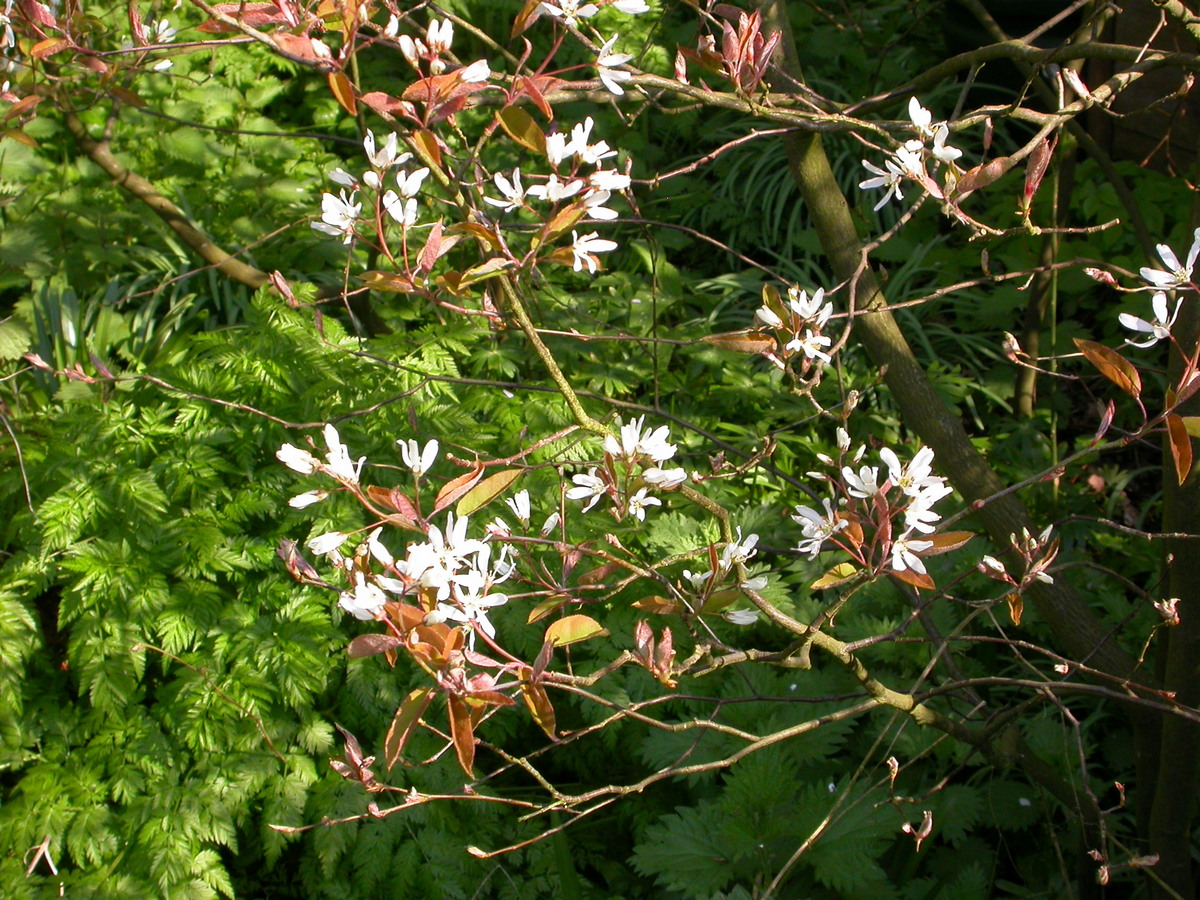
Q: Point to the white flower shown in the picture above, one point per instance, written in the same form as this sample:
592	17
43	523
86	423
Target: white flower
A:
810	309
364	601
817	528
386	156
338	215
403	211
297	460
664	479
810	345
654	444
419	462
1164	318
757	583
843	439
609	180
375	547
327	543
439	35
737	552
626	446
638	503
591	154
584	248
607	61
512	191
740	616
519	504
904	554
864	484
344	178
392	28
910	161
308	498
631	7
1176	275
558	147
551	523
410	185
554	190
941	150
767	316
889	178
475	73
594	202
588	487
162	31
162	65
570	11
917	476
338	458
921	117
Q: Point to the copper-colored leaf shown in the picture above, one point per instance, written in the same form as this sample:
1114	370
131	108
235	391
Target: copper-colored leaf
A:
427	142
487	491
48	47
1181	446
456	487
372	644
947	541
127	96
564	220
462	733
573	629
839	574
1112	365
529	14
600	573
478	231
1016	607
25	104
658	606
519	126
741	342
390	282
916	579
538	703
16	134
256	15
408	714
546	607
343	92
487	269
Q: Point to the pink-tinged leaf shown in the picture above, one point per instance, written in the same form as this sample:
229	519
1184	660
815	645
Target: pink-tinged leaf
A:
38	13
372	645
403	723
385	104
741	342
432	249
981	176
537	701
255	15
573	629
430	147
455	488
916	579
1112	365
543	660
564	220
343	92
599	574
519	126
49	47
530	13
487	491
1106	421
22	106
392	499
1181	446
658	606
546	607
1186	391
462	732
947	541
127	97
16	134
1016	607
529	87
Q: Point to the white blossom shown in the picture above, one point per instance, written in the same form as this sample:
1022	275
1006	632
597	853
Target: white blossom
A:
737	552
421	461
864	483
889	177
1176	274
1160	327
584	248
768	317
364	601
403	211
338	215
609	180
588	487
914	478
810	309
740	616
327	543
638	503
664	479
942	151
811	345
386	156
297	460
631	7
904	554
554	190
308	498
551	523
519	504
570	11
338	459
512	191
610	76
476	73
817	528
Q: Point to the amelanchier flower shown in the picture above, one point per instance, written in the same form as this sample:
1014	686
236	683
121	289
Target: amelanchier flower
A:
421	461
583	249
631	7
588	487
610	76
338	461
738	551
817	528
1164	318
519	504
638	503
338	215
1176	274
904	554
512	192
570	11
889	177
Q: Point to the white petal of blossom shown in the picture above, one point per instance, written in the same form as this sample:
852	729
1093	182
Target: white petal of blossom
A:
817	528
609	180
338	215
476	73
889	178
863	484
409	185
767	316
594	202
344	178
297	460
1158	329
921	117
740	616
386	156
664	479
941	150
519	504
551	523
810	345
439	35
421	461
583	248
554	190
570	11
810	308
737	551
607	61
364	601
904	554
631	7
914	478
403	211
308	498
375	547
588	487
512	191
1176	274
638	503
654	444
338	458
327	543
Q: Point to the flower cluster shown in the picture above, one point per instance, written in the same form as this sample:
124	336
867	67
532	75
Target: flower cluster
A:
909	160
798	325
1174	276
633	466
897	500
591	193
709	586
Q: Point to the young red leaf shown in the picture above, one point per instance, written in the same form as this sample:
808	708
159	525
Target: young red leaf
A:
1112	365
538	703
408	714
947	541
372	644
343	92
462	733
454	489
916	579
1181	446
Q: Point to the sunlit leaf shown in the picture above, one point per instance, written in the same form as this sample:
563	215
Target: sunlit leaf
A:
1112	365
486	491
407	716
573	629
1181	446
